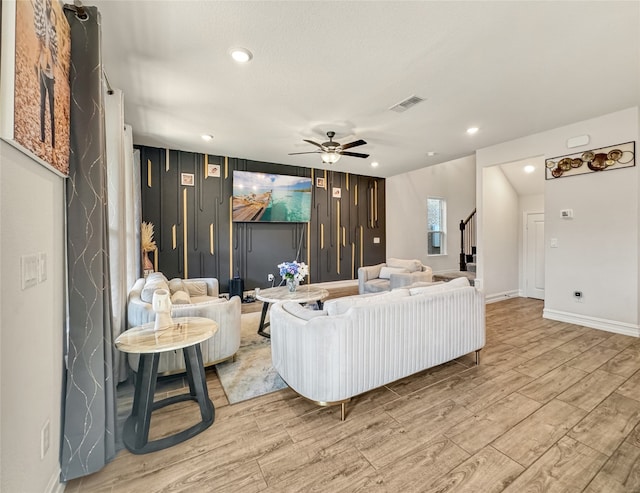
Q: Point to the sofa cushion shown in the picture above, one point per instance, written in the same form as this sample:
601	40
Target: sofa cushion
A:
458	282
385	272
180	297
378	285
338	306
412	265
196	288
297	310
150	287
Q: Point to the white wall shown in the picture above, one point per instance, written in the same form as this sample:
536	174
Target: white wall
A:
598	249
406	212
31	330
500	245
526	204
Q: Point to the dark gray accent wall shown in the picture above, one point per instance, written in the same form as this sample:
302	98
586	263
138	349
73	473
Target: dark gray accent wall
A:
196	237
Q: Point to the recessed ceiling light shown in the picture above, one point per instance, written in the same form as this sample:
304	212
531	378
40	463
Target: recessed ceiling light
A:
241	55
472	130
375	164
207	137
529	168
431	153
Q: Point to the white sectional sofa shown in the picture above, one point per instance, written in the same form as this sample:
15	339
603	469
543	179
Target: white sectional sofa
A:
191	298
358	343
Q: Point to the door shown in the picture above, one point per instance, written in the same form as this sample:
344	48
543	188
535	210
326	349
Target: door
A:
534	257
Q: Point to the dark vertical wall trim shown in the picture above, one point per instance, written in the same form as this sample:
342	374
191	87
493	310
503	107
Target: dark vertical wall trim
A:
341	231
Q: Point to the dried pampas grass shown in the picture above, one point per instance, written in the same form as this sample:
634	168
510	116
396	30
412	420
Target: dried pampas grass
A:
147	242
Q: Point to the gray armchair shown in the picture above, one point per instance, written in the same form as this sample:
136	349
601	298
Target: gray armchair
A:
395	273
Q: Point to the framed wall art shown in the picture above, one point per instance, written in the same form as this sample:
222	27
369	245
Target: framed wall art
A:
34	81
187	179
213	170
602	159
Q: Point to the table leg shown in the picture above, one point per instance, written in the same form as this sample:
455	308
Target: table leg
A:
137	425
198	382
263	325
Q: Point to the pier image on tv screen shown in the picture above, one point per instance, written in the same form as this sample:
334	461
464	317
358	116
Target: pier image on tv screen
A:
267	197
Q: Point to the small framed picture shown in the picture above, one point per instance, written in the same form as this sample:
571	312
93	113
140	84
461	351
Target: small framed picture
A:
187	179
320	183
213	170
337	192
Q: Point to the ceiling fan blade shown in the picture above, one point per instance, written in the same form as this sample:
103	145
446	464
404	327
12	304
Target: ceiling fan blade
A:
310	152
354	154
312	142
354	144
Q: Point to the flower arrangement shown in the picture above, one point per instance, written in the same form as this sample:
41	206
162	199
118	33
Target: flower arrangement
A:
295	271
147	242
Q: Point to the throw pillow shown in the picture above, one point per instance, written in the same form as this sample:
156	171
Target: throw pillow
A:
196	288
150	287
385	272
297	310
154	276
180	298
176	284
411	265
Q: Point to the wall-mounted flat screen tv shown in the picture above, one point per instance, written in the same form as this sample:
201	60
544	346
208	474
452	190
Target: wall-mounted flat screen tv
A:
266	197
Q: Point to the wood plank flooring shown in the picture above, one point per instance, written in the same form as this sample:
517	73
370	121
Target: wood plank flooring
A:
552	407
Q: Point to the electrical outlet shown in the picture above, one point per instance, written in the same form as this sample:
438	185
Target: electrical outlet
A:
45	437
577	295
270	277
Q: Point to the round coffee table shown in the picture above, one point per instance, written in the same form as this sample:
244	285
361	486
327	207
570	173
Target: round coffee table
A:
303	294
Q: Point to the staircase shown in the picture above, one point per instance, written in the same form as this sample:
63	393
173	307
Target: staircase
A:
467	243
467	252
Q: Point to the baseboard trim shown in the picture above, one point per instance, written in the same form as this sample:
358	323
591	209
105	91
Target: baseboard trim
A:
495	297
55	485
593	322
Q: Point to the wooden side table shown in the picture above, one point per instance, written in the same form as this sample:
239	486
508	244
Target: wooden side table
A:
186	333
304	294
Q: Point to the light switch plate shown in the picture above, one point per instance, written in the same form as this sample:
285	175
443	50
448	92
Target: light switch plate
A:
29	269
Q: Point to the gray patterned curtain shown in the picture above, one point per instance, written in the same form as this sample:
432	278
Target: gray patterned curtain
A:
89	406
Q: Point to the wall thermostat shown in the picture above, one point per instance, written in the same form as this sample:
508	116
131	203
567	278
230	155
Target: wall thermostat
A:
566	213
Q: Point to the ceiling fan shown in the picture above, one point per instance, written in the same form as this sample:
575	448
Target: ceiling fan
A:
331	151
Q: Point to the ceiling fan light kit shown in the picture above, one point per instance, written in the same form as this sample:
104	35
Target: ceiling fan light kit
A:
329	157
331	151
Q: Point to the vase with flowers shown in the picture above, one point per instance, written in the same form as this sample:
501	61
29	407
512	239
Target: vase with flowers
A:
292	273
148	244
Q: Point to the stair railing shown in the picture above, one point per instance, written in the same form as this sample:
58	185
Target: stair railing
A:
467	239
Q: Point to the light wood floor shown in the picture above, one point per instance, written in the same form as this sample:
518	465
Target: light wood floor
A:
552	407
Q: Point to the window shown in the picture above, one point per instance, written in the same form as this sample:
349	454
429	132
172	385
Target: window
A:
436	226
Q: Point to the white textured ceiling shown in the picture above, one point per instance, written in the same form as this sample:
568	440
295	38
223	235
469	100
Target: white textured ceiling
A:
510	68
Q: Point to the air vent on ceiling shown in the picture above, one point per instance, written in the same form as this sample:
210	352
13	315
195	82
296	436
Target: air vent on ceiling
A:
405	104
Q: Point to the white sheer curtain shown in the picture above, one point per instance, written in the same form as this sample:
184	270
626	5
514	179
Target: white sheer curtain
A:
123	173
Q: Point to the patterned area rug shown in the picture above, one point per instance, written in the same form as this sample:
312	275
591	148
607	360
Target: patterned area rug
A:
251	374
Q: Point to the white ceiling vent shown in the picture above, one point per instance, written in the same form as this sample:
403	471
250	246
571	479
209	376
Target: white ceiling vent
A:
405	104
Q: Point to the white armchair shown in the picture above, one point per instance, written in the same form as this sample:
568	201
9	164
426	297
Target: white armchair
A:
191	298
394	273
